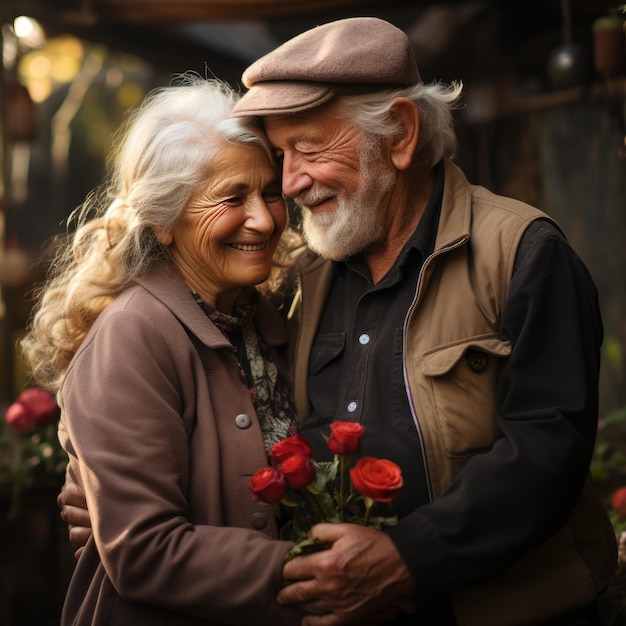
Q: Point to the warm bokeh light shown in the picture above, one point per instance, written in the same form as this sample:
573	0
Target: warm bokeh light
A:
9	46
58	63
39	89
114	77
28	31
23	26
129	94
36	65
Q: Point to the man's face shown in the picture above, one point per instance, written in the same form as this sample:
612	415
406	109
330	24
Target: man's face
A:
340	179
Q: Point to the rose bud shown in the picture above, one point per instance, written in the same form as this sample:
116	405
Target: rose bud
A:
41	404
296	444
345	438
268	485
618	501
298	471
378	479
20	418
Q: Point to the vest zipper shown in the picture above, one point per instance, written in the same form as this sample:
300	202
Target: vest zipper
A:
404	356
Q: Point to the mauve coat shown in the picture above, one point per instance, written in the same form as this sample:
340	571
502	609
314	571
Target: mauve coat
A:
163	437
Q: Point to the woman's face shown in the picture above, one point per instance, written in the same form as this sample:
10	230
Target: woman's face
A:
227	234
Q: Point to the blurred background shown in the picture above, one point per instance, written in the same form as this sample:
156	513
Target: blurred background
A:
543	121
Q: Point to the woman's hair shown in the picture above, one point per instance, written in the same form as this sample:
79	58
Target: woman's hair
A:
435	102
160	159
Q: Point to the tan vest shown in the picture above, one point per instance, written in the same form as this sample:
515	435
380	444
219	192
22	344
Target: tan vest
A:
452	333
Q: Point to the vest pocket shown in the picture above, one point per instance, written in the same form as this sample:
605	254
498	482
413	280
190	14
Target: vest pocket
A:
462	380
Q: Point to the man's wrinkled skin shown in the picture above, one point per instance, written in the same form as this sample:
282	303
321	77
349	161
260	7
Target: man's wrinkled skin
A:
335	578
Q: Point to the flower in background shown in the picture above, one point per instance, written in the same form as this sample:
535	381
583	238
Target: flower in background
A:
310	492
32	408
618	501
30	453
617	514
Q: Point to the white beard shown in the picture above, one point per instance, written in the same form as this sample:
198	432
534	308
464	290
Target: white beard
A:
358	222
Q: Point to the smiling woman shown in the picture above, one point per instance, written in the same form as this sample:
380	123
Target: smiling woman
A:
227	234
168	366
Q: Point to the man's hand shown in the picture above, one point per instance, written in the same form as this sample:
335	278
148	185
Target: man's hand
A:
71	501
362	579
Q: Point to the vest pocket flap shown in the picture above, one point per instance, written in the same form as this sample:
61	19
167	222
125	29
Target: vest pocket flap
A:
442	360
460	386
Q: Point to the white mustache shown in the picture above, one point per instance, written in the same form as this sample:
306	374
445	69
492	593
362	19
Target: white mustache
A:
314	196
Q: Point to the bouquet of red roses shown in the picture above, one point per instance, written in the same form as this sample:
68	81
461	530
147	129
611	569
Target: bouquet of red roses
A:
311	491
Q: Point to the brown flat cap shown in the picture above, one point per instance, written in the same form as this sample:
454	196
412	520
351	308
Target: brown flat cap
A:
346	56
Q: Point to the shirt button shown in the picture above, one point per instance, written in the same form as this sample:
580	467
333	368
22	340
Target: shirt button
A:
364	339
243	421
259	521
352	407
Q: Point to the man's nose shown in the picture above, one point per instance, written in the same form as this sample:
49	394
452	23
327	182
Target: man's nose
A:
295	175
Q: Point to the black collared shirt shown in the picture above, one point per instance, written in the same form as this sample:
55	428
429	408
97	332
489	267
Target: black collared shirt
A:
355	371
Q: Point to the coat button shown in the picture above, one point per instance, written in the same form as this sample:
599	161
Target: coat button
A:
259	521
476	360
243	421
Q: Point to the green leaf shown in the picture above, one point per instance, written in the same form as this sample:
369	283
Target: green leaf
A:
380	522
615	417
325	473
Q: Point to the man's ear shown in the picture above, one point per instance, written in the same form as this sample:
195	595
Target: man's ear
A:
404	145
164	236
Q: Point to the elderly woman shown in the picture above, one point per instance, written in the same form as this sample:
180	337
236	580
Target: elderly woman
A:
166	362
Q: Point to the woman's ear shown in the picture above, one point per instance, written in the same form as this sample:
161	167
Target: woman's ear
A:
164	236
405	143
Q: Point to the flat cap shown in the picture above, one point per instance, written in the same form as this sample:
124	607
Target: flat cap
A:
351	55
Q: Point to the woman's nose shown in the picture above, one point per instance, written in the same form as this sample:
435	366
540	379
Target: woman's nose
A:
259	217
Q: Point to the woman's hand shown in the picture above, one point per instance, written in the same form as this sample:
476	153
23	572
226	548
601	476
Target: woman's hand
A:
71	501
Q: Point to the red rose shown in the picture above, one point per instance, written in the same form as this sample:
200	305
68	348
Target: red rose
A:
618	501
32	408
19	418
298	471
43	406
378	479
345	438
268	485
296	444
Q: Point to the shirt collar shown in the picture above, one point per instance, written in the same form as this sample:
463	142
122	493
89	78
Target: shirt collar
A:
424	236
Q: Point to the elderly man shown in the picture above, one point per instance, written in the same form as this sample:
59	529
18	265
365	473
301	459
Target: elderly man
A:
458	326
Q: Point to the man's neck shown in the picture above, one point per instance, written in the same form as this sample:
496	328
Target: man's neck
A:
408	203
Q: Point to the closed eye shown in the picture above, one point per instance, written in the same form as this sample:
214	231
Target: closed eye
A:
234	200
272	197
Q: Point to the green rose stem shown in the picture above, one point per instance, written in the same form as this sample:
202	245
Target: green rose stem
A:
344	462
317	505
369	507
